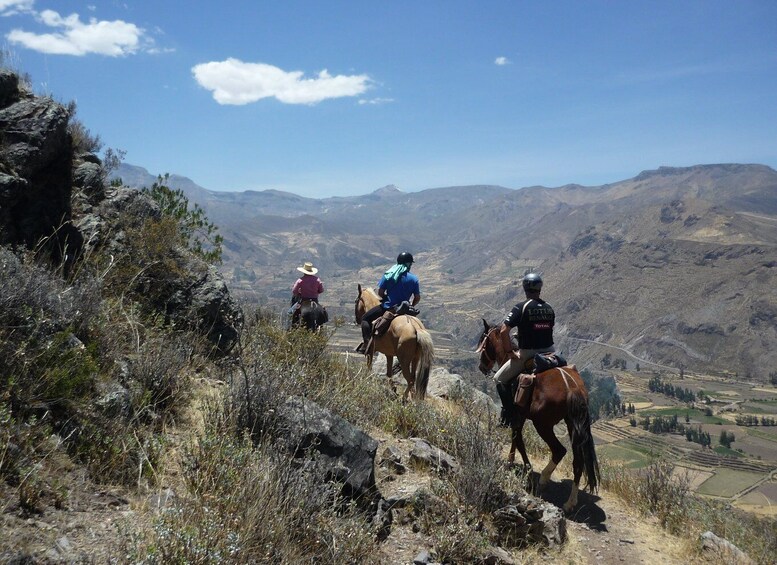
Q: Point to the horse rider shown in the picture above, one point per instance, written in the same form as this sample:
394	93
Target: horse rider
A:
397	285
307	287
534	318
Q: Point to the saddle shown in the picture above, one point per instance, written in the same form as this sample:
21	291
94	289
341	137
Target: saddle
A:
542	362
382	324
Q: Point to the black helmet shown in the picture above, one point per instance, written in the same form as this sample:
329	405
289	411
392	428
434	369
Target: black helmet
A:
532	282
404	258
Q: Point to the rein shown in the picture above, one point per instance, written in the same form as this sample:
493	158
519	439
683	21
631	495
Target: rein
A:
364	305
483	347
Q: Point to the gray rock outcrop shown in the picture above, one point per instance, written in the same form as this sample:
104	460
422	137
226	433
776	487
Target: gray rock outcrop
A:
35	168
527	519
723	550
345	453
54	197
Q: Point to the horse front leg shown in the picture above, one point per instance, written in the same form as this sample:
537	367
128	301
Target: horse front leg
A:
557	451
389	370
517	442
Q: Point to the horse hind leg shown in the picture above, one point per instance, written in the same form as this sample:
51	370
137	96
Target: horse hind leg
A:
577	470
409	375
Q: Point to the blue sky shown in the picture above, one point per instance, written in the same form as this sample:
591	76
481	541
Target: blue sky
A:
338	98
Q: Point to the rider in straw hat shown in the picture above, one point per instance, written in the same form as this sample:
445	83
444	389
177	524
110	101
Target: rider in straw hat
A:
308	286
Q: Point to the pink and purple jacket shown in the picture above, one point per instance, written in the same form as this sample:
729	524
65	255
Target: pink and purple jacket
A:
308	286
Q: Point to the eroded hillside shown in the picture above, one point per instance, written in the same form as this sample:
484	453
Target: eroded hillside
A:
675	265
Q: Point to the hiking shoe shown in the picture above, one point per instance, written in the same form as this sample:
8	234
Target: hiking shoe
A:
360	348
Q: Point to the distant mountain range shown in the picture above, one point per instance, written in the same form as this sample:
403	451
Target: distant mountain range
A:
676	266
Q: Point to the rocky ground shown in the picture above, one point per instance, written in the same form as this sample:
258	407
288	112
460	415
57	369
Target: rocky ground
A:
91	524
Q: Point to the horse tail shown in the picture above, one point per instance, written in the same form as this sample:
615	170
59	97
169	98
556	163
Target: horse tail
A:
425	351
582	440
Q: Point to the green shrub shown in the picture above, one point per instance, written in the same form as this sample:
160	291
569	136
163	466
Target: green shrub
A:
195	232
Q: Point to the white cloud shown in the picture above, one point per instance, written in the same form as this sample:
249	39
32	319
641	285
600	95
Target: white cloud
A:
502	61
375	101
235	82
12	7
112	38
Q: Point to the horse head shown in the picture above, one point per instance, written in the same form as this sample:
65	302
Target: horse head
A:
487	347
366	299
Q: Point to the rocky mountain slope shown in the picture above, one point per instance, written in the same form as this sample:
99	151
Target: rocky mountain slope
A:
123	439
675	265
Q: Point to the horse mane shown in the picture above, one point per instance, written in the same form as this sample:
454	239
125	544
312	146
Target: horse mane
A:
371	296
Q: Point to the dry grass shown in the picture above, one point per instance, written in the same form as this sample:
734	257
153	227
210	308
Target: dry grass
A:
250	503
654	491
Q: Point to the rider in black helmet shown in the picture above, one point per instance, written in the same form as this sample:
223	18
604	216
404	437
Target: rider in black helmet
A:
534	318
397	285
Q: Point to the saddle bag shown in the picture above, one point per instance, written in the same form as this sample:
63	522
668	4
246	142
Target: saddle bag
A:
382	324
546	361
524	391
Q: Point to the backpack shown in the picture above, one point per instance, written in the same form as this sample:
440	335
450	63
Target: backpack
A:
545	361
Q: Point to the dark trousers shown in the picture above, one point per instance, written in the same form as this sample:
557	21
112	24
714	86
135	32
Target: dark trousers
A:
370	316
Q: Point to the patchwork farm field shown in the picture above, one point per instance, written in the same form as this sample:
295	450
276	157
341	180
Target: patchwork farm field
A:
726	483
744	473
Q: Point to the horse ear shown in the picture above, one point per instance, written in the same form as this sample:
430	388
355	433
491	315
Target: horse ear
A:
359	286
485	324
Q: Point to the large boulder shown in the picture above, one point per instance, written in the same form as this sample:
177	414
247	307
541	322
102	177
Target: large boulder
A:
9	87
446	385
36	162
344	453
205	299
88	179
530	520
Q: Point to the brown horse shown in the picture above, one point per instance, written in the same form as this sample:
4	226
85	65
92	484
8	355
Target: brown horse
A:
558	394
407	339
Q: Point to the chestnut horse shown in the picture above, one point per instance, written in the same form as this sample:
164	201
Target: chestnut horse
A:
558	394
407	339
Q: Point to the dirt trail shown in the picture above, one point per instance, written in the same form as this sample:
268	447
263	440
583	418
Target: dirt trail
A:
602	531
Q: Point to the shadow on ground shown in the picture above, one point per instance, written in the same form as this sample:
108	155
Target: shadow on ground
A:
587	512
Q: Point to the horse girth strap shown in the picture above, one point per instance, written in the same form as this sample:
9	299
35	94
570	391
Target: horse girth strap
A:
566	377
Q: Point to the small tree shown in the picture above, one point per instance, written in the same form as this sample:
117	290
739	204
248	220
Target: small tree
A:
198	234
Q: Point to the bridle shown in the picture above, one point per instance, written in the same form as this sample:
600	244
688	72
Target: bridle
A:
483	347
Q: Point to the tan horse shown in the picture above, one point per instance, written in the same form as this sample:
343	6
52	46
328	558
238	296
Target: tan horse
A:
558	394
407	340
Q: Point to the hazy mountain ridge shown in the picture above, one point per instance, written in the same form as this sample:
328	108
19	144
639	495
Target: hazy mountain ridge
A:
674	264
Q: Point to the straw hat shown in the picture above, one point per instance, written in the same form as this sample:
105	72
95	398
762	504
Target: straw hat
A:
307	269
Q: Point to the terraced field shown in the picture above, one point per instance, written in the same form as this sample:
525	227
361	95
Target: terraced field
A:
748	480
